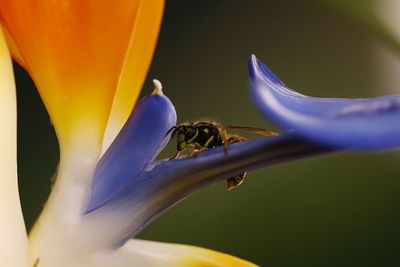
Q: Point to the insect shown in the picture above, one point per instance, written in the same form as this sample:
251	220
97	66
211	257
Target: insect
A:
198	136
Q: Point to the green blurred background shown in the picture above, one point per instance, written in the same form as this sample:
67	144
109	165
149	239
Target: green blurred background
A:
341	210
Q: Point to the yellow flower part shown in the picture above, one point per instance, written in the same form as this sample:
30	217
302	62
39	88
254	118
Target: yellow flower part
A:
155	254
192	256
79	52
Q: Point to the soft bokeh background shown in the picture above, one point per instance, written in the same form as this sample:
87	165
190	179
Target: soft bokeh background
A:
336	211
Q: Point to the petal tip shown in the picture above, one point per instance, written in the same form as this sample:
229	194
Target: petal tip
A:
157	87
260	72
252	65
356	124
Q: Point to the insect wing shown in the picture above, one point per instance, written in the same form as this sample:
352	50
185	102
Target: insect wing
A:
259	131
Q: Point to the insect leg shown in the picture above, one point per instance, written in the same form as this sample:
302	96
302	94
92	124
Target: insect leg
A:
238	179
196	148
232	139
209	141
225	136
177	154
234	181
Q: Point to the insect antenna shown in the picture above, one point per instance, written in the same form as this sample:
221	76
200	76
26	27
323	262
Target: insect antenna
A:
173	129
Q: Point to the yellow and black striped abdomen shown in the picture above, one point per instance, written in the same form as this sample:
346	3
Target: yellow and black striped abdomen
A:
208	135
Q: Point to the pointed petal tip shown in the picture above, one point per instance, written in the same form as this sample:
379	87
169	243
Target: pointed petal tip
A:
251	65
260	72
359	124
157	87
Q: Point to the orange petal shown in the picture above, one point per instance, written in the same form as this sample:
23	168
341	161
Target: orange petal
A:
12	46
75	51
137	62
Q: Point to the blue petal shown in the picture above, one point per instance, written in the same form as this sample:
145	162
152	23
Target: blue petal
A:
165	183
359	124
138	143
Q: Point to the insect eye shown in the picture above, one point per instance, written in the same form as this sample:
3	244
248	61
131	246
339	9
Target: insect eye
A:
190	132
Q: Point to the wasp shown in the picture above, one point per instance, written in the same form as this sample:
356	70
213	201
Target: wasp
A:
195	137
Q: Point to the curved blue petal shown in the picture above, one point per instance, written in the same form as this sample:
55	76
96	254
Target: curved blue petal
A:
138	143
359	124
164	183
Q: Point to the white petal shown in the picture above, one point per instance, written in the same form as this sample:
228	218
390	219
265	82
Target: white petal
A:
13	238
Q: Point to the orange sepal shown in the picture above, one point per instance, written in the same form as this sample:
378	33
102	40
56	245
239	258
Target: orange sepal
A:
75	52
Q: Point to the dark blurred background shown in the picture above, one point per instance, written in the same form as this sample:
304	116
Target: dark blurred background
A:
341	210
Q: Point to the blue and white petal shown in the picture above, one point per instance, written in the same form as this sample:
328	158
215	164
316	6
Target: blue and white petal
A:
359	124
165	183
138	143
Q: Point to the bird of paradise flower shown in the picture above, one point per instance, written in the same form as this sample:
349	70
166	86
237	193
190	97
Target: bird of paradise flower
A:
88	60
